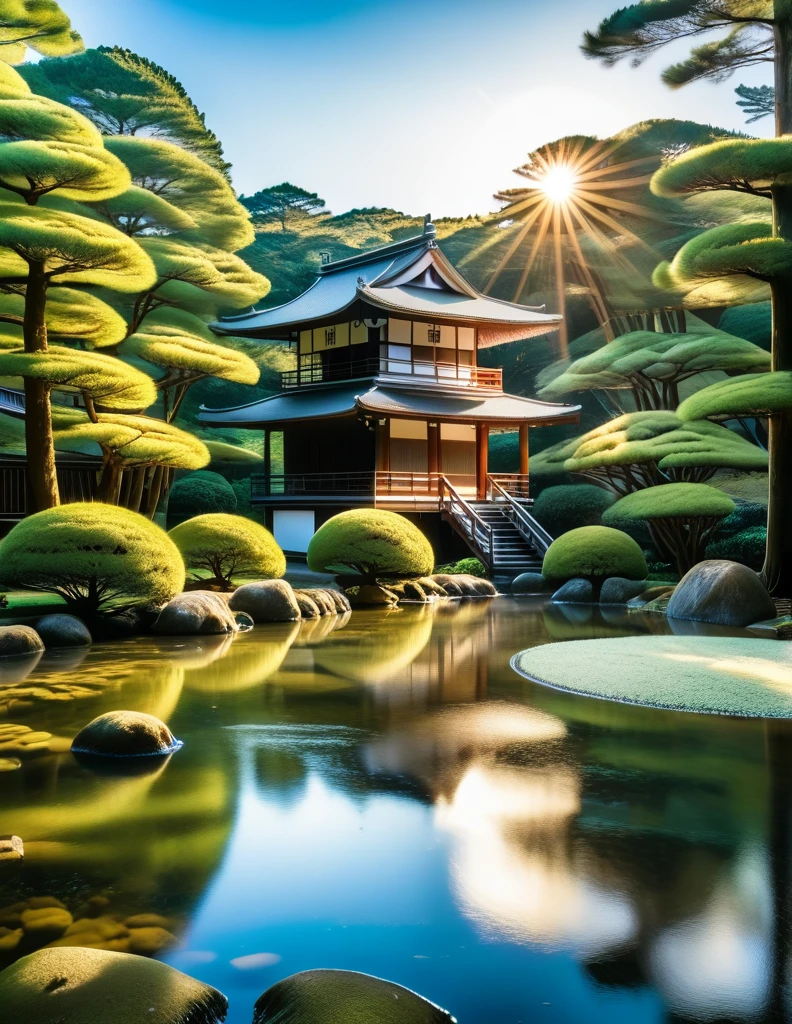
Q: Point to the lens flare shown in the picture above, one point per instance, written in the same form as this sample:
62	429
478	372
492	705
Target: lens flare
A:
558	184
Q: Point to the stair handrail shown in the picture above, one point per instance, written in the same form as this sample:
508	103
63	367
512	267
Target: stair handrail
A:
475	525
531	530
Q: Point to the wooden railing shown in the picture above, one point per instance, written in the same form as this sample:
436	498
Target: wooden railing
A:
309	484
459	374
516	510
478	532
515	484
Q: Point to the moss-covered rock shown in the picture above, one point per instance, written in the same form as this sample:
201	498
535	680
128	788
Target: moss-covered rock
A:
98	558
96	986
721	592
594	553
322	997
57	631
16	640
125	734
225	546
195	613
567	507
266	601
371	543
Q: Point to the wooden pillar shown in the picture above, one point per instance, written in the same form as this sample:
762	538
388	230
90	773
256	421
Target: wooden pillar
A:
382	456
482	444
267	462
523	449
433	447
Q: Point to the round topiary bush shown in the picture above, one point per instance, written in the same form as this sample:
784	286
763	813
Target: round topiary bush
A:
594	553
225	546
568	507
748	546
372	544
99	558
198	493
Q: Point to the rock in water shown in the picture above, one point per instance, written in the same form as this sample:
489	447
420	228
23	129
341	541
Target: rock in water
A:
531	583
125	734
779	628
309	609
267	601
343	997
80	985
63	631
575	592
21	640
721	592
617	590
194	613
370	594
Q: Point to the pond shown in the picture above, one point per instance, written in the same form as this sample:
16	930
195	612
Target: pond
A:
389	796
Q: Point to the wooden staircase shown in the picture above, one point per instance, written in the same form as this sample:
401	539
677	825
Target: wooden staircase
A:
499	529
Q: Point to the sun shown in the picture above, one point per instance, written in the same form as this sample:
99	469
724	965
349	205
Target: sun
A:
558	184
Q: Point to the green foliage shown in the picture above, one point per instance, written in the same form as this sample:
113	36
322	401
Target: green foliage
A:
747	165
25	117
567	507
32	168
753	321
232	454
97	557
278	202
222	274
755	394
71	315
666	501
757	101
643	449
124	94
748	546
374	543
200	492
464	567
595	553
228	546
38	24
134	440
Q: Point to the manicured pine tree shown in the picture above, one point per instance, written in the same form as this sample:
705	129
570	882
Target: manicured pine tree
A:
38	24
282	203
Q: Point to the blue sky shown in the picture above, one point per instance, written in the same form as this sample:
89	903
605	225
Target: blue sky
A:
422	105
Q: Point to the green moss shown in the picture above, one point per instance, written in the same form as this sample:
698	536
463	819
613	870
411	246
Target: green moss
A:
567	507
705	674
465	567
373	543
97	557
595	553
750	395
228	546
669	501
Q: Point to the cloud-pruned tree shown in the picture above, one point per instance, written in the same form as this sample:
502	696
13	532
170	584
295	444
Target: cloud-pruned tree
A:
283	203
38	24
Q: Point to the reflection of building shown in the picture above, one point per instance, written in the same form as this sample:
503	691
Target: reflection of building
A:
388	405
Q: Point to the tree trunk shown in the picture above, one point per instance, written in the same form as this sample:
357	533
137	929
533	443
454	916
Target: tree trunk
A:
777	570
155	488
42	477
136	491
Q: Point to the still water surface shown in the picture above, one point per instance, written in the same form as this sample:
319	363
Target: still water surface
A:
390	797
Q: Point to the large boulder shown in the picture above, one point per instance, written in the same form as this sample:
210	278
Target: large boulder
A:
125	734
532	583
267	601
15	640
80	985
63	631
575	592
343	997
195	613
721	592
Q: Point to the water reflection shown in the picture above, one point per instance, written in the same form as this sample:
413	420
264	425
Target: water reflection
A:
382	793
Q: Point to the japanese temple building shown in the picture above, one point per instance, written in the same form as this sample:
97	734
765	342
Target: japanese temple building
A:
388	406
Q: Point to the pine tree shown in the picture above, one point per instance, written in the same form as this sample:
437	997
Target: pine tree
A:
282	202
38	24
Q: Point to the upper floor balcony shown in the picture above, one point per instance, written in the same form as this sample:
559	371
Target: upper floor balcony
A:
387	368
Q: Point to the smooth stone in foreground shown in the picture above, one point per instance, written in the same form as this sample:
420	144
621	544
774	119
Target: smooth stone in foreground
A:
16	640
574	592
309	609
531	583
11	848
721	592
195	613
343	997
63	631
617	590
266	601
80	985
779	628
720	675
125	734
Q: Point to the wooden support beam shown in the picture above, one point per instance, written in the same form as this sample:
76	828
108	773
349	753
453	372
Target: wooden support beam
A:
524	449
268	459
482	457
382	456
433	449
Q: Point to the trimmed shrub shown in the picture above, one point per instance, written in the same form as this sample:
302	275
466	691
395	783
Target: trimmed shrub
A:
226	546
198	493
745	516
98	558
464	567
568	507
371	543
594	553
754	322
747	546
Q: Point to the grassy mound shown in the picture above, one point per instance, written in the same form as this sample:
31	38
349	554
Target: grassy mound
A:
594	553
709	675
372	543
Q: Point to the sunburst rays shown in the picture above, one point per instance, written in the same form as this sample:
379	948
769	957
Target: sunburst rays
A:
577	188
